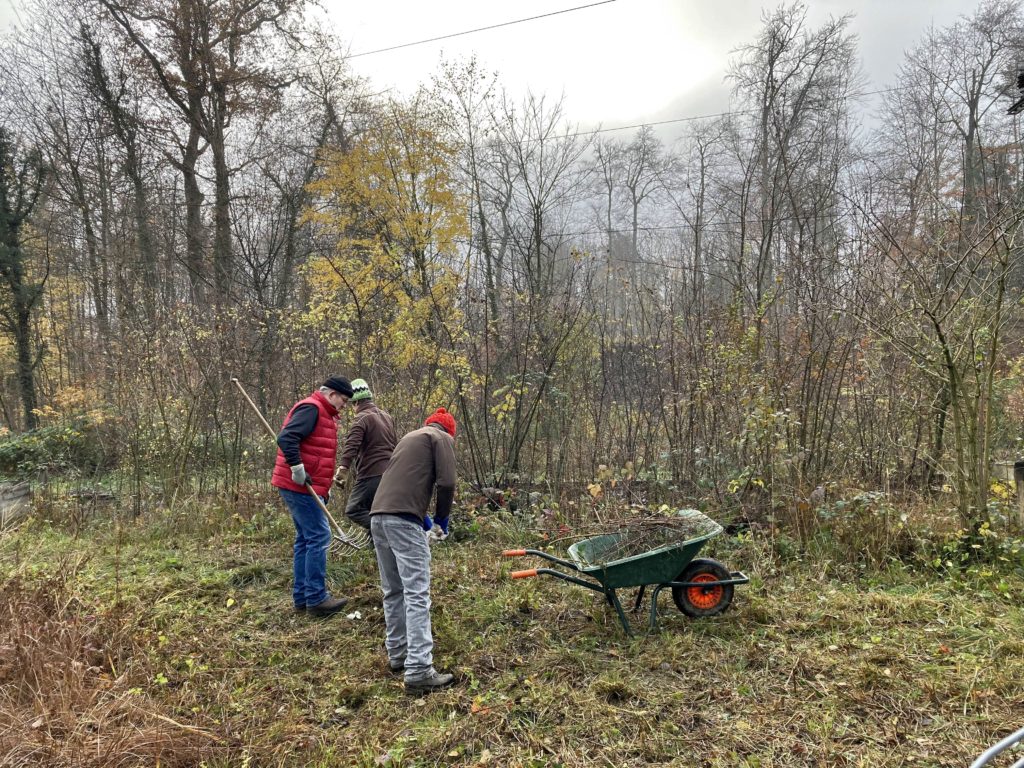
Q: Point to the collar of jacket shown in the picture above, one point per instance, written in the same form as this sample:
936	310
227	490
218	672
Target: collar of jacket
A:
331	410
365	405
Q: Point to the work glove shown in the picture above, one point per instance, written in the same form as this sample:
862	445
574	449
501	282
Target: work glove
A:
427	523
300	476
439	532
341	477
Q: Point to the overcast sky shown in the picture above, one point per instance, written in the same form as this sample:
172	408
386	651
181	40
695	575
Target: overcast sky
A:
618	63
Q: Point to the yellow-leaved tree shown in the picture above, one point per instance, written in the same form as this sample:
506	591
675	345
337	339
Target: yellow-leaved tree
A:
385	290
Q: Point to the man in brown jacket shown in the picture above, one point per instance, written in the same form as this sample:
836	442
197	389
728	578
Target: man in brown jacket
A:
423	459
368	447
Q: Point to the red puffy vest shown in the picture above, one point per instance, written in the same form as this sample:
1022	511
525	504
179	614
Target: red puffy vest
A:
317	451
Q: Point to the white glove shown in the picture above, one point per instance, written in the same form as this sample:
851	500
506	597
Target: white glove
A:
300	476
435	535
341	477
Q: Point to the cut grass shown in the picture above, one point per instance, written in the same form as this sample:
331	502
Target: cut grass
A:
172	641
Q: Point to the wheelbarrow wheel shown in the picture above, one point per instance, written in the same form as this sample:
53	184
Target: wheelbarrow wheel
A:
699	602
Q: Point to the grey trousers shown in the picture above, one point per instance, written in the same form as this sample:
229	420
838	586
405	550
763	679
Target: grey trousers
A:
403	558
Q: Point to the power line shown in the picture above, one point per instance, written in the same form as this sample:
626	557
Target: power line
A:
478	29
669	121
692	118
499	141
710	116
14	8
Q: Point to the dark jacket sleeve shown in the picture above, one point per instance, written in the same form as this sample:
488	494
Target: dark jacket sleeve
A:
299	427
353	442
444	467
443	506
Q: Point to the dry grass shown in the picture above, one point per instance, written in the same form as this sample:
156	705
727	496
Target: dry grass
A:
66	685
175	644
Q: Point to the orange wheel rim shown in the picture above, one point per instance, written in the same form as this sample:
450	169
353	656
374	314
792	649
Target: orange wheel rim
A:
705	597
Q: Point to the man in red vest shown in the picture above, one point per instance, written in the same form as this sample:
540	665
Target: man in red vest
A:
307	445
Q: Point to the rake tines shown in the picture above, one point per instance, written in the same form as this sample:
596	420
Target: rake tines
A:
345	541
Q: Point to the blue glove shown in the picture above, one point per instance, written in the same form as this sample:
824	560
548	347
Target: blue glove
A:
442	523
427	523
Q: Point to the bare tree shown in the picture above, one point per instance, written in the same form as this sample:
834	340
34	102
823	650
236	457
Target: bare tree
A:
205	57
22	177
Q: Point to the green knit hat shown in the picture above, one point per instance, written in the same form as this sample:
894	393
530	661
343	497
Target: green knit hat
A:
361	390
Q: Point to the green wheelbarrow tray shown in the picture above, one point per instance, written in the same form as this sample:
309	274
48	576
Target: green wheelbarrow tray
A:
700	587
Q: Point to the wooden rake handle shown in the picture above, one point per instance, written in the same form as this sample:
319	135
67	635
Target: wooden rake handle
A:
255	409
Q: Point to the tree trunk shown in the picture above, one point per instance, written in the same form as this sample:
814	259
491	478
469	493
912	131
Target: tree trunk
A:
21	184
26	366
193	218
223	262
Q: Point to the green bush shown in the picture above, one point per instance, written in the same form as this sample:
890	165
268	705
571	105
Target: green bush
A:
865	528
963	550
78	445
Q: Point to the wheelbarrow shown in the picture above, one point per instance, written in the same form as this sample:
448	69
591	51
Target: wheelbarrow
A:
1005	745
700	587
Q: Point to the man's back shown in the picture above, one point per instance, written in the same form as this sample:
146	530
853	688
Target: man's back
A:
422	459
370	441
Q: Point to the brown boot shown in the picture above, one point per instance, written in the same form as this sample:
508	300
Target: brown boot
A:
328	607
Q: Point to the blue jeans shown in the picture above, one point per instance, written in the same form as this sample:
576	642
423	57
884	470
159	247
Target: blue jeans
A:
312	537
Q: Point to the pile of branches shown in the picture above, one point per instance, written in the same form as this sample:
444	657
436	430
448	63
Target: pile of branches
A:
639	535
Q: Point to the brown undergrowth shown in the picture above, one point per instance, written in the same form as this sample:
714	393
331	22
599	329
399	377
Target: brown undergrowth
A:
72	682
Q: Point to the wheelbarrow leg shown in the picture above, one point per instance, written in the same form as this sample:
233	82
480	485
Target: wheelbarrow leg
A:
639	598
614	600
654	606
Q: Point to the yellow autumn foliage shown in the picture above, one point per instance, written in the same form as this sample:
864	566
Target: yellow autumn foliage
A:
384	295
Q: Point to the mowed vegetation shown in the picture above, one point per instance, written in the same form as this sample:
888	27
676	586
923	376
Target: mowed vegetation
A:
168	640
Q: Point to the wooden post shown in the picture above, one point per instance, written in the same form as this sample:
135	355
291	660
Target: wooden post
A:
1018	480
